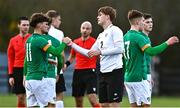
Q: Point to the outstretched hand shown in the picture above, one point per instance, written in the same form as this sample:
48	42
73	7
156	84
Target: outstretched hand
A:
67	40
94	53
172	40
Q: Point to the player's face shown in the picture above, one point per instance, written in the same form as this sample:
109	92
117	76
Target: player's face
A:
44	27
141	24
86	29
148	25
24	26
101	18
56	21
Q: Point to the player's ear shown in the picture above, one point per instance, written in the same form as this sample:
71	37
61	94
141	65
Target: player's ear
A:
18	25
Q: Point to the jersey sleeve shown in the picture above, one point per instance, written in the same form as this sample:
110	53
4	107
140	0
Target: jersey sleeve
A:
72	50
42	43
118	42
142	42
117	35
95	45
11	57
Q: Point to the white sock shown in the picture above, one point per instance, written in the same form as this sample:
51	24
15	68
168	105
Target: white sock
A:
59	104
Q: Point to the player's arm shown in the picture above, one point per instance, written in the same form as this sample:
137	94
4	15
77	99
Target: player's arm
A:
24	71
11	58
70	59
80	49
60	64
117	36
117	49
63	57
155	50
160	48
25	67
54	50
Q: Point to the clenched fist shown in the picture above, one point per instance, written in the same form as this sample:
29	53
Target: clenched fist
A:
172	40
66	40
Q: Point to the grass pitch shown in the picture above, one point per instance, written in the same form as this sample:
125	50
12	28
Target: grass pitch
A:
163	101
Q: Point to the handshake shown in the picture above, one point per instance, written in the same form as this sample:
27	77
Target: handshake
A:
67	41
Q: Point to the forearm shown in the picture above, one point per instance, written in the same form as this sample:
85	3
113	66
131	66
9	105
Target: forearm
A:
80	49
117	49
56	50
11	60
25	67
156	50
60	65
63	57
112	51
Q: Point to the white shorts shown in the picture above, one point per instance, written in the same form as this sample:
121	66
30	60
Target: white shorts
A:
51	86
149	79
137	92
36	93
148	85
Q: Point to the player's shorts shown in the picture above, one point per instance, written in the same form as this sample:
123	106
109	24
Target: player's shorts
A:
51	86
111	86
84	80
60	85
36	93
137	92
149	80
149	85
18	87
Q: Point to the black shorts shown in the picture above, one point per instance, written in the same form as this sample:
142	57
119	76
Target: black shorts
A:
18	87
84	80
60	85
111	86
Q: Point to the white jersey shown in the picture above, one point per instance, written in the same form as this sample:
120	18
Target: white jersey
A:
110	43
58	34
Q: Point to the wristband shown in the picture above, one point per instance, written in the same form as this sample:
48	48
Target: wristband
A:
67	63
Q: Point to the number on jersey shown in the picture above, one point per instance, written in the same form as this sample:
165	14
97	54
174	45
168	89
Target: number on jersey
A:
28	52
126	54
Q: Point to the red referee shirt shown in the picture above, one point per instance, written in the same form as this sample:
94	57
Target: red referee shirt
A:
16	52
83	62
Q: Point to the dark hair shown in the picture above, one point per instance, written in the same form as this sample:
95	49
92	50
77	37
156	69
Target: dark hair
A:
134	14
38	18
107	10
147	16
22	18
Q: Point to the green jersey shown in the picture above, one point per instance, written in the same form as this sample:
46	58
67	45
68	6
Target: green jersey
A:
147	57
36	58
135	43
52	67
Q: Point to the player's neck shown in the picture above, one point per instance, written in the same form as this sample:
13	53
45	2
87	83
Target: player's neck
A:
84	38
146	33
106	24
23	34
133	27
37	31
